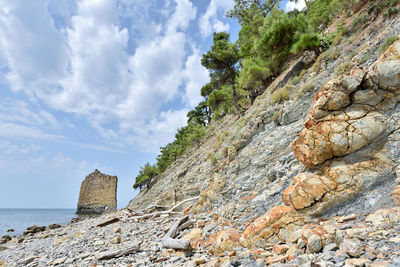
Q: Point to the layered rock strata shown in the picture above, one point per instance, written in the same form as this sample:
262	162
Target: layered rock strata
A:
98	194
349	146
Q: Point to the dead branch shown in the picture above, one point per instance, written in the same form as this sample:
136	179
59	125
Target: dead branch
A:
183	202
186	225
110	221
166	212
120	252
168	240
156	207
153	215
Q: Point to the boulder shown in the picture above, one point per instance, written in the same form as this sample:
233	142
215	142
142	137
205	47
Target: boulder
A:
277	224
98	194
34	229
5	239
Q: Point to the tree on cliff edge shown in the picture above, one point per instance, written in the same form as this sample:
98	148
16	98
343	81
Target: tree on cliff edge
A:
222	63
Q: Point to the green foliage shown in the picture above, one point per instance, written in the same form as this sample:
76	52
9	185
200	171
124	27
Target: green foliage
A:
279	33
302	73
282	94
343	68
318	63
200	114
275	115
359	21
240	71
253	74
146	174
211	157
391	11
321	12
295	80
184	138
222	63
389	41
332	54
340	31
306	88
364	57
307	41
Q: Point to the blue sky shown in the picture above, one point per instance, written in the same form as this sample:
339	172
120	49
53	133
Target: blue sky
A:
95	84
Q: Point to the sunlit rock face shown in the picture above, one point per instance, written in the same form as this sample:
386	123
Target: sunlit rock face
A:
98	194
349	145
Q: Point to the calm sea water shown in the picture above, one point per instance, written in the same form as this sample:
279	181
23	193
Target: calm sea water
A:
20	219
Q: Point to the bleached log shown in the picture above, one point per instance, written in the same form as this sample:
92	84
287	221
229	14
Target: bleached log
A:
168	240
120	252
166	212
153	215
186	225
183	202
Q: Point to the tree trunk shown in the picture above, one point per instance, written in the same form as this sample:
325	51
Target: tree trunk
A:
235	99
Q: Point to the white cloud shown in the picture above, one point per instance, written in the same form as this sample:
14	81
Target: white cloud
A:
35	51
300	5
20	112
86	65
161	130
209	22
195	77
184	13
12	130
29	158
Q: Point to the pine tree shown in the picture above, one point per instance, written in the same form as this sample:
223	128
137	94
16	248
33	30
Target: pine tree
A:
222	64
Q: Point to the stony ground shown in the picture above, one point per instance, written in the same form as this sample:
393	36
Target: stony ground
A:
372	240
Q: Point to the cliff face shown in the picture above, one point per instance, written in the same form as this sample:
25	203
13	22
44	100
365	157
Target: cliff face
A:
332	150
98	194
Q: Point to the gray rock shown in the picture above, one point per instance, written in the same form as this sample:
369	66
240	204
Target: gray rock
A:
330	247
353	247
28	260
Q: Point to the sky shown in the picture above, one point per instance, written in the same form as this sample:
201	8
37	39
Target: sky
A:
96	84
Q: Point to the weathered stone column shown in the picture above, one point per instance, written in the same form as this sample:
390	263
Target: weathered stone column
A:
98	194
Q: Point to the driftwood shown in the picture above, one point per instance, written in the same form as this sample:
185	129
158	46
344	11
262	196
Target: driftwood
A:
156	207
185	225
183	202
168	240
120	252
166	212
113	220
153	215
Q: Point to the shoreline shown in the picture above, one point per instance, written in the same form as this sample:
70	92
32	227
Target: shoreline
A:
82	243
20	219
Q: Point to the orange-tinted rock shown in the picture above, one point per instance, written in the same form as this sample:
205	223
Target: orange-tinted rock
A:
308	189
339	136
281	249
196	237
315	237
224	240
395	195
276	224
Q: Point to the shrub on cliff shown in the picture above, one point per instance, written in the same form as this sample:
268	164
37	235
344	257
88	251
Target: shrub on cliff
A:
146	174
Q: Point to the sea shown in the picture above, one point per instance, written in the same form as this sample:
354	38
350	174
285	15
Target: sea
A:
20	219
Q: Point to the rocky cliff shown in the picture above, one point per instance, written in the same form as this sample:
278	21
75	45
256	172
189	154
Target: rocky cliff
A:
98	194
275	173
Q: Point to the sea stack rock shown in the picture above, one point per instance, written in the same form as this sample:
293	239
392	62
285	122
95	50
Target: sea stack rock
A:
98	194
